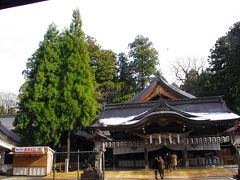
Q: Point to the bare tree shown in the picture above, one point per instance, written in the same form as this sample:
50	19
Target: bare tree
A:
187	72
8	102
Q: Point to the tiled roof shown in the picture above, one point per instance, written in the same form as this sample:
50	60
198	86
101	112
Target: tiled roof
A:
6	127
7	121
178	92
194	110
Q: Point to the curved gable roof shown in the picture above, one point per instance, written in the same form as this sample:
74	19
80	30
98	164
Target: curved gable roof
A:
160	86
194	111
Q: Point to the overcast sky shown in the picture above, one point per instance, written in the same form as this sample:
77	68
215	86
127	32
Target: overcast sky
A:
177	28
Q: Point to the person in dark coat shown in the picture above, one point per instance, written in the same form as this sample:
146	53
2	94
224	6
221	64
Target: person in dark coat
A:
156	166
168	161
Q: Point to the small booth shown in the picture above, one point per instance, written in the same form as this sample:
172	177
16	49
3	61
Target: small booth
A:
32	161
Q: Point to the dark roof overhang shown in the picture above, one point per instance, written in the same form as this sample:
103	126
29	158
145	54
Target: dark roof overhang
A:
9	3
155	117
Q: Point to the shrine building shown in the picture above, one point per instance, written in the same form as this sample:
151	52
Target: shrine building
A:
163	119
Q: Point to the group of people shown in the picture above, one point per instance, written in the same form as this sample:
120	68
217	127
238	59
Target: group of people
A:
169	162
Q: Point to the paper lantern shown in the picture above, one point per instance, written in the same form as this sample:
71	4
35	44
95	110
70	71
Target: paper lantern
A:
214	140
159	139
222	139
191	141
178	138
170	139
150	139
209	140
227	139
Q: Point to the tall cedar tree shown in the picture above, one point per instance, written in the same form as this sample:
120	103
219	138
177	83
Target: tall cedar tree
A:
77	101
36	119
125	78
144	60
225	64
103	64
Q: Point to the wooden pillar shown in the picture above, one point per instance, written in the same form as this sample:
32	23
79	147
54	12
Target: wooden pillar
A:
114	162
237	147
146	157
185	153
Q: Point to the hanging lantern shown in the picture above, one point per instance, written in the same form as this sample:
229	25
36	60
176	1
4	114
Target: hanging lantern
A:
200	140
159	139
113	144
205	140
170	139
218	140
191	141
178	139
121	144
209	140
227	139
223	139
196	141
214	140
150	139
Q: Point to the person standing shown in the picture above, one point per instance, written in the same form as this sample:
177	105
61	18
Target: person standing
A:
174	161
156	166
168	162
161	167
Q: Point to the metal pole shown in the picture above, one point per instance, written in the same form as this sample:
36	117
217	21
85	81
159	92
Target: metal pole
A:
103	164
78	165
54	165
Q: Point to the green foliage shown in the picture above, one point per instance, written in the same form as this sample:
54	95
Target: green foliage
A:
36	120
191	84
125	79
225	64
77	102
144	60
58	94
2	110
103	64
12	111
206	84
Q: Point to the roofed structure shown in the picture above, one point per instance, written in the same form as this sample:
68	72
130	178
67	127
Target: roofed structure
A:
194	111
13	3
160	86
164	116
8	139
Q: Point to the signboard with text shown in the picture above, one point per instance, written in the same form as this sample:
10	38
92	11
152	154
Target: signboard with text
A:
30	150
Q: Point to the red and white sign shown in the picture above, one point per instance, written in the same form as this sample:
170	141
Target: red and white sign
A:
29	150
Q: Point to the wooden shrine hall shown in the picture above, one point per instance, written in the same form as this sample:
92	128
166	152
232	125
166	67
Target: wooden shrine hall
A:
164	119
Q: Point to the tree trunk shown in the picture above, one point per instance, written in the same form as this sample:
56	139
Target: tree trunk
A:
68	145
68	152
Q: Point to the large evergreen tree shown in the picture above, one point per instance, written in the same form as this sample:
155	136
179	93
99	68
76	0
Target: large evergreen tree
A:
58	95
144	60
77	104
225	64
104	66
36	119
125	79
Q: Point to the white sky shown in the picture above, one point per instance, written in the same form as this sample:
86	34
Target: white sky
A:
177	28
